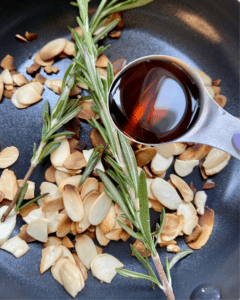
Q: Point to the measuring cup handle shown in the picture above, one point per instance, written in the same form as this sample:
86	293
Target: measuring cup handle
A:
217	128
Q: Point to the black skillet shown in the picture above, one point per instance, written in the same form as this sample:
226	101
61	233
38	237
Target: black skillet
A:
204	34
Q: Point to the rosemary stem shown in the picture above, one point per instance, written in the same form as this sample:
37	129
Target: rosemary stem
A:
27	176
167	288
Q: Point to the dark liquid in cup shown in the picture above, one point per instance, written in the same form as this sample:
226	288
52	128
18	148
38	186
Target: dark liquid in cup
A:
154	102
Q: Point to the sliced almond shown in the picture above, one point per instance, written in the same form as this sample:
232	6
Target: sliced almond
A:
87	113
183	188
81	266
96	138
87	154
50	174
59	155
107	224
160	164
52	241
8	184
139	246
20	79
8	157
145	156
56	267
7	227
214	158
50	255
67	253
102	73
221	100
15	101
1	87
150	193
210	91
216	82
194	235
167	238
104	267
27	209
165	193
78	30
38	229
34	214
21	38
27	95
69	49
207	81
90	234
173	248
9	94
170	225
86	249
53	220
118	65
73	203
16	246
64	226
24	235
40	78
195	152
184	168
73	229
115	34
101	187
33	69
199	201
103	241
190	216
53	205
156	205
8	63
206	222
30	194
71	278
67	242
42	62
53	48
216	89
89	185
219	167
99	250
209	184
6	77
30	36
51	69
102	61
170	149
8	87
73	180
99	209
51	189
56	86
75	161
75	126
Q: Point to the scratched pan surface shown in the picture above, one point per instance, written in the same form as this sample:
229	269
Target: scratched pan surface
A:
202	33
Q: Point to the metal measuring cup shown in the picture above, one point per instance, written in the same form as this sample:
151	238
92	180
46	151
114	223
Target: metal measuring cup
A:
214	126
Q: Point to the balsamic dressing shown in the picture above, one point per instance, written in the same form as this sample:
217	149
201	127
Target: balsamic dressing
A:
154	102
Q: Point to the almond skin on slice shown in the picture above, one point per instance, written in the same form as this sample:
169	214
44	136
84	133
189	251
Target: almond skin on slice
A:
67	242
24	235
16	246
96	138
52	49
87	113
195	152
86	249
8	157
33	214
145	155
220	100
73	203
102	61
183	187
8	63
118	65
75	161
27	209
64	226
99	209
50	255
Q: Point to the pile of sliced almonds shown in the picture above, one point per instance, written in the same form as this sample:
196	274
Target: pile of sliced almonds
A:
87	212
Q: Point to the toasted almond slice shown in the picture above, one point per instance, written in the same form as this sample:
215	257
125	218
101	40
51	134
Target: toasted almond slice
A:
16	246
196	152
34	214
86	249
115	34
59	155
27	95
40	78
90	234
99	249
52	241
156	205
96	138
86	113
7	227
88	201
109	221
102	61
150	193
14	99
165	193
70	172
104	267
220	100
190	216
170	225
9	94
50	255
206	222
145	156
56	86
183	188
101	187
209	184
216	82
50	174
20	79
210	91
160	164
50	69
42	62
199	201
173	248
24	235
51	189
184	168
30	194
103	241
194	235
73	203
102	73
102	26
78	30
81	266
8	157
30	36
207	81
59	176
33	69
139	246
64	226
87	154
89	185
214	158
53	220
27	209
38	229
21	38
73	229
216	89
53	48
69	49
71	278
74	180
114	234
67	253
38	87
118	210
8	87
67	242
53	205
8	63
99	209
6	77
170	149
2	196
8	184
75	161
219	167
56	267
167	238
1	87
